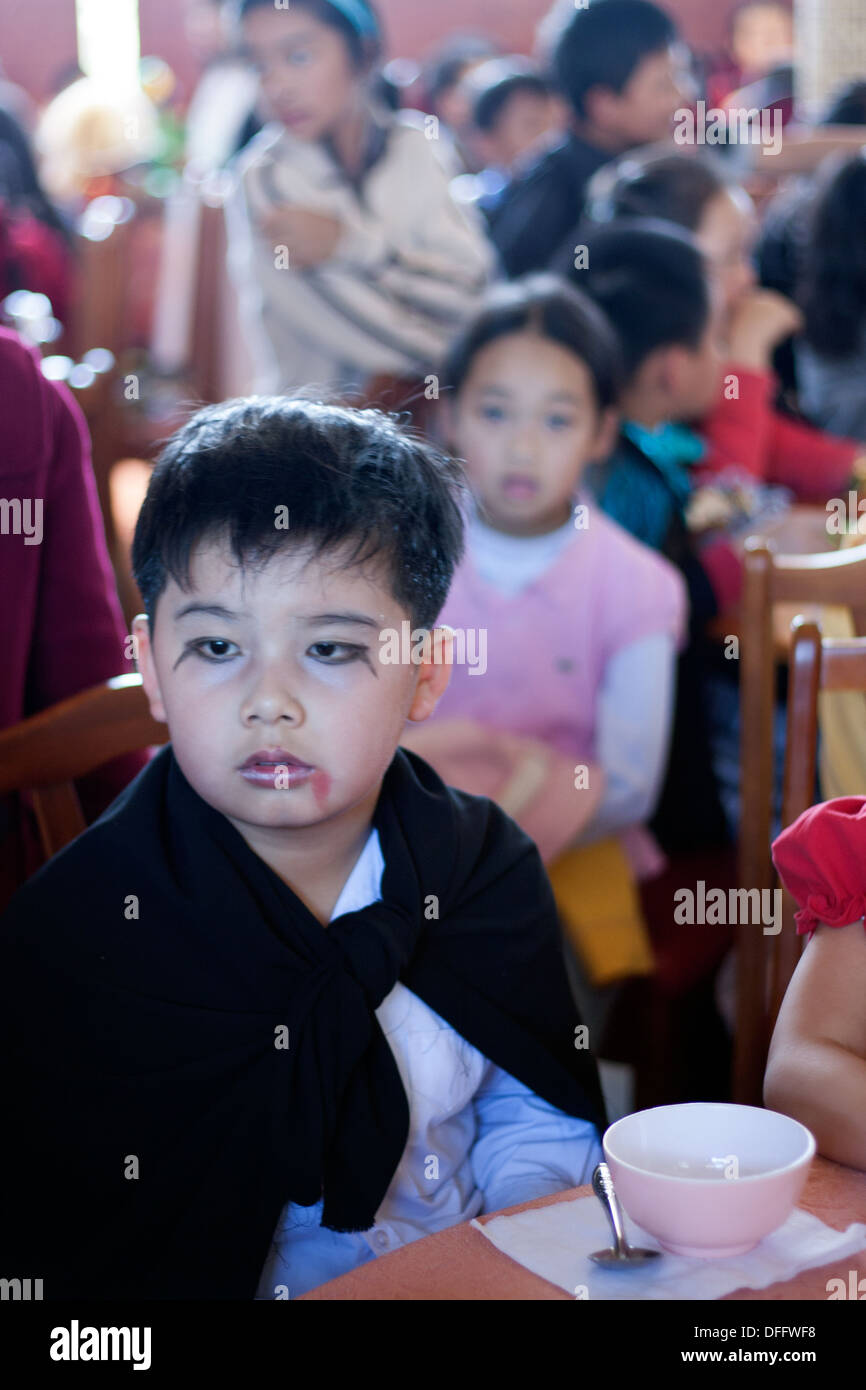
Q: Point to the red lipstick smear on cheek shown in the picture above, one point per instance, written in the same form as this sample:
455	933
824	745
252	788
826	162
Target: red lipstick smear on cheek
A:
321	784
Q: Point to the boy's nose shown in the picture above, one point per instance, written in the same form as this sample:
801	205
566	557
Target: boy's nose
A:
271	702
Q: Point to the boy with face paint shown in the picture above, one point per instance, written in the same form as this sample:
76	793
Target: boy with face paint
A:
312	1000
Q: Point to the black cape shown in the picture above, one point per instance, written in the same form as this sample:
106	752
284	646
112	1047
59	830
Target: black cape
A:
155	1124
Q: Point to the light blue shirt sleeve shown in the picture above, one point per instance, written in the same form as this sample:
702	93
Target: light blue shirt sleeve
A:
635	714
524	1147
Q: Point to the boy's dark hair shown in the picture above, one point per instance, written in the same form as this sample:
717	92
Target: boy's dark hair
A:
363	39
549	306
833	289
497	82
345	476
601	46
650	279
674	188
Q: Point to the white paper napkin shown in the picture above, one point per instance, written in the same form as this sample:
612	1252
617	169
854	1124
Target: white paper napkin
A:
555	1241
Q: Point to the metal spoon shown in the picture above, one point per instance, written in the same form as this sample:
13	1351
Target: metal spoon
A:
622	1254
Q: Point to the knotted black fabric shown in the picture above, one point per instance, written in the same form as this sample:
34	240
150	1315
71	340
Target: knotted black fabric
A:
187	1048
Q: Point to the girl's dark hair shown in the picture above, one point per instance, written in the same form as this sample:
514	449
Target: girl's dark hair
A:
347	477
833	287
365	44
675	188
20	188
650	279
546	305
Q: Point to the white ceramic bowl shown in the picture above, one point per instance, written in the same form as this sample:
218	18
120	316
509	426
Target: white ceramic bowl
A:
708	1179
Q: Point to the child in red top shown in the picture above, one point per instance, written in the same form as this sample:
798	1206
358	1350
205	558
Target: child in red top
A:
816	1070
744	430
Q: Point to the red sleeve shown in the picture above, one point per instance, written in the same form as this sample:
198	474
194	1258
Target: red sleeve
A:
739	432
78	633
813	464
821	860
749	433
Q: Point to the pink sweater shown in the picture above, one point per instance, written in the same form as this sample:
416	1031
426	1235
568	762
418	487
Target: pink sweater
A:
547	647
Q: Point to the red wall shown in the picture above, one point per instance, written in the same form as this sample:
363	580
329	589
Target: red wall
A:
37	37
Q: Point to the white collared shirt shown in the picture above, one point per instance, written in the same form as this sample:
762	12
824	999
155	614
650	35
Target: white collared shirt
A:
479	1140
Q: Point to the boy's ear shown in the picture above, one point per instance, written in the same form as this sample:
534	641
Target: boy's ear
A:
662	370
147	667
434	673
677	360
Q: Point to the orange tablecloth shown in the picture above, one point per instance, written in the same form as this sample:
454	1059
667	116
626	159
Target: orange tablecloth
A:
461	1264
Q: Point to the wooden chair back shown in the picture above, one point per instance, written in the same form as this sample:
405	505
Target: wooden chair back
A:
45	754
770	579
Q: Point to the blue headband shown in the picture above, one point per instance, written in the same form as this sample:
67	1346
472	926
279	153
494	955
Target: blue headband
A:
360	16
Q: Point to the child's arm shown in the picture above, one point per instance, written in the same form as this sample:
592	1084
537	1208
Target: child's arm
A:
739	430
524	1147
816	1070
813	464
435	252
635	713
750	433
393	291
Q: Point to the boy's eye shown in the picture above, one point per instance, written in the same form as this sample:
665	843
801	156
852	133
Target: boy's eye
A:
218	648
559	422
300	57
329	652
492	412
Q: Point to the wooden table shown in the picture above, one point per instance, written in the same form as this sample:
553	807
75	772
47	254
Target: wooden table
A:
802	531
461	1263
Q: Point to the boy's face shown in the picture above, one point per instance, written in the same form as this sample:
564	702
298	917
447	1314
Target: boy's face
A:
527	422
763	38
259	670
524	120
306	72
643	111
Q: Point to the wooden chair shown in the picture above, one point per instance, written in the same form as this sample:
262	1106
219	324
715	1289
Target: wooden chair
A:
817	664
43	755
770	579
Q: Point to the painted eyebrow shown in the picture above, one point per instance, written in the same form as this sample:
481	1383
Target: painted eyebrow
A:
214	610
352	619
